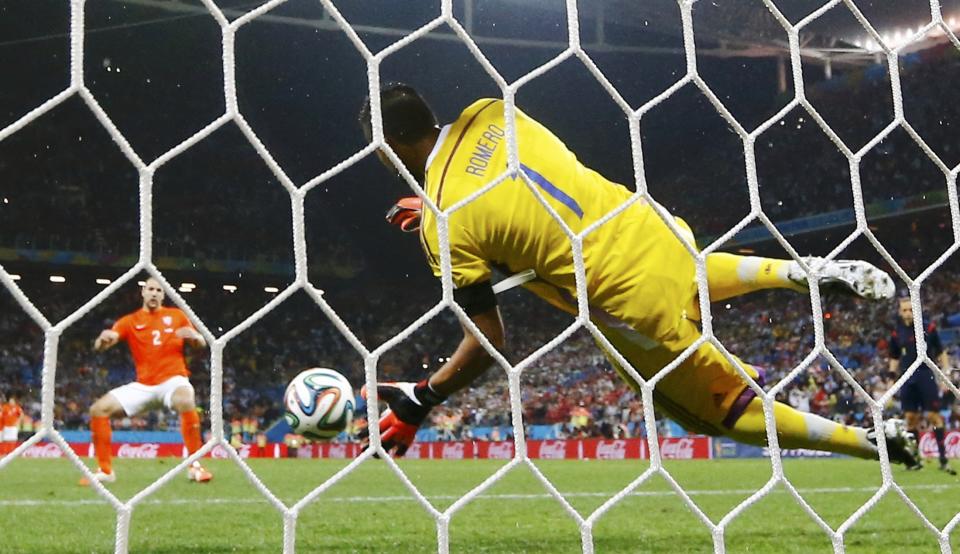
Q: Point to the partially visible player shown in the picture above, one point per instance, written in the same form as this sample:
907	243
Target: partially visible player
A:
10	415
640	280
920	394
156	335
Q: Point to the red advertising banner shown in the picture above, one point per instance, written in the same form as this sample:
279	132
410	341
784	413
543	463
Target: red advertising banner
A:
151	450
496	450
615	449
339	450
442	451
554	449
928	445
686	448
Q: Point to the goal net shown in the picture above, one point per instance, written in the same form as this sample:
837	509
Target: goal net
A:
876	45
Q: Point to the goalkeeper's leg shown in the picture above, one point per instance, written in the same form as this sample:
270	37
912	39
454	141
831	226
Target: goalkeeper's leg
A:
729	275
796	429
706	394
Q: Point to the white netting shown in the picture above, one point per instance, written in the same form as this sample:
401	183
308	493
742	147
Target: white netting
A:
371	357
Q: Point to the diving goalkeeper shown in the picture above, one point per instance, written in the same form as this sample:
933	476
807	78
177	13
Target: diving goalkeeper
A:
640	280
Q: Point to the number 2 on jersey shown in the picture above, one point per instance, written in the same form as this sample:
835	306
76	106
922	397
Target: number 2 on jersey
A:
156	337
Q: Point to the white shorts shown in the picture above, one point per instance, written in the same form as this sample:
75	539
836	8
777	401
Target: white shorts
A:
10	434
137	397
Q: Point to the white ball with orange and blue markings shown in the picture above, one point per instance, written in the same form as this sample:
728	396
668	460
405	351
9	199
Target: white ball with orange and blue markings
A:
319	403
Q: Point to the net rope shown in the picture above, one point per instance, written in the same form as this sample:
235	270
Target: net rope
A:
574	49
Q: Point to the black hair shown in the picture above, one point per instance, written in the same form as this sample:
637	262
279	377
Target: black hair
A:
407	118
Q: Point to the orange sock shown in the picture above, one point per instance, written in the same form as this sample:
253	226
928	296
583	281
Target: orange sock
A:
101	442
190	428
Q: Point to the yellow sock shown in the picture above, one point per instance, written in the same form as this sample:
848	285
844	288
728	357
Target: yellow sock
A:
797	429
729	275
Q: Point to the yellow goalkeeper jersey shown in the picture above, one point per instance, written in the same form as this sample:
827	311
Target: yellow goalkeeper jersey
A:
637	272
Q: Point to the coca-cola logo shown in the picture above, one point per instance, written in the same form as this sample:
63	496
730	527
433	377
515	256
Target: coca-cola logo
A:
553	450
500	450
415	452
338	451
799	453
49	450
612	450
145	450
305	451
677	449
452	451
219	452
951	443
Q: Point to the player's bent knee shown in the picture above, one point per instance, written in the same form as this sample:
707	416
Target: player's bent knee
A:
182	400
106	406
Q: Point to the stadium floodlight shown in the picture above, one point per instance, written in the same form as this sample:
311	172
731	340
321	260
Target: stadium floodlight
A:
271	289
230	288
185	289
190	286
142	283
102	281
58	279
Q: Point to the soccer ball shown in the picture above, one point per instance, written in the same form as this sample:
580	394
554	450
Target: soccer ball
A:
319	403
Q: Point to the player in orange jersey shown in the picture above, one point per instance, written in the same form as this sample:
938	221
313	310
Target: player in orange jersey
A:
155	335
10	414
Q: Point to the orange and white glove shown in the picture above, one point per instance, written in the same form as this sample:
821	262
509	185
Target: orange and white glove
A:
405	214
409	404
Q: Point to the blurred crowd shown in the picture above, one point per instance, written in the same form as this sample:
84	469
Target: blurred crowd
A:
801	171
571	387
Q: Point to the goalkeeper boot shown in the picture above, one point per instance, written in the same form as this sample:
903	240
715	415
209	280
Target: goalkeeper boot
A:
945	467
196	472
99	476
901	444
855	277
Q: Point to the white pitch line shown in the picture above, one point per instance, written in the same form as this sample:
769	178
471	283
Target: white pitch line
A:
362	499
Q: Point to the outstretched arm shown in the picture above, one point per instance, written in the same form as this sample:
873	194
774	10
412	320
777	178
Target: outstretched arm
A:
470	360
411	403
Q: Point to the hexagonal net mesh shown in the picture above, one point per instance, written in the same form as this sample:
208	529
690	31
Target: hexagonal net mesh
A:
509	90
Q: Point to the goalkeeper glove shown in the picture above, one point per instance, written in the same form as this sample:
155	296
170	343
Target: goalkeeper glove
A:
409	404
406	214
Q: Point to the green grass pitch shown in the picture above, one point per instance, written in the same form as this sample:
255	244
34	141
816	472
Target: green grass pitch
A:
43	510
